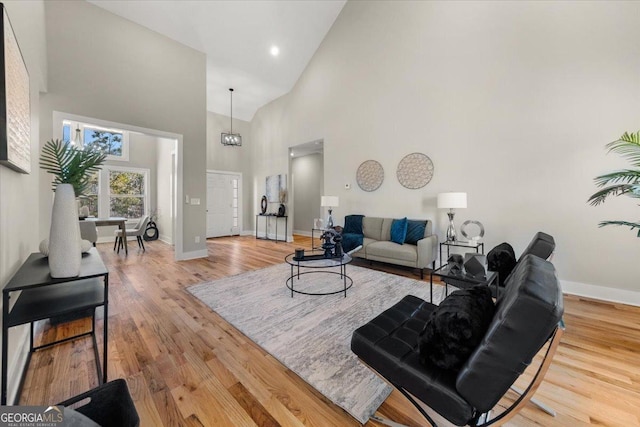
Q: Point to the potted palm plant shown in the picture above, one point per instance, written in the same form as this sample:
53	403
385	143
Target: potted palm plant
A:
72	168
621	182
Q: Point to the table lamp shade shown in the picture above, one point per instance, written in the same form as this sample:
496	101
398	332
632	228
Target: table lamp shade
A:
329	201
452	200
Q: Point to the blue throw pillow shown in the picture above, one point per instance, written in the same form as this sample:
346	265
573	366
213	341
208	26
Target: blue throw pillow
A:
353	224
399	230
415	231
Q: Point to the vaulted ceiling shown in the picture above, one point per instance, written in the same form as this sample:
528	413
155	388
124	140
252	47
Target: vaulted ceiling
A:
237	37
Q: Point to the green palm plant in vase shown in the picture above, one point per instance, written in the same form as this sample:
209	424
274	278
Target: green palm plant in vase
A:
70	165
621	182
72	168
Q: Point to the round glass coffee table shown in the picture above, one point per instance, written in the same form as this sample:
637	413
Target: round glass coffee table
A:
315	263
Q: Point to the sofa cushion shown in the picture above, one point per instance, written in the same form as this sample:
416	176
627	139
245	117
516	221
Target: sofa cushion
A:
415	231
392	250
399	230
353	224
372	227
456	327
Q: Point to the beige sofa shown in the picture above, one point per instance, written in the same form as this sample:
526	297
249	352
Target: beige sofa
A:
377	245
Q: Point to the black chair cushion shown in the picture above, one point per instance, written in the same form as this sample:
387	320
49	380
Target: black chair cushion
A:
456	328
502	259
542	245
526	314
389	345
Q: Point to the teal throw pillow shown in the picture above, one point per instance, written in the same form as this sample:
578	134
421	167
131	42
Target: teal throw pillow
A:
415	231
399	230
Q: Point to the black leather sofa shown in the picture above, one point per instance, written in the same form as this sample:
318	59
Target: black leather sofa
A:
528	314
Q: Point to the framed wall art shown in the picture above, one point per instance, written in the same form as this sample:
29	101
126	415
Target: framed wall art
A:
15	104
277	188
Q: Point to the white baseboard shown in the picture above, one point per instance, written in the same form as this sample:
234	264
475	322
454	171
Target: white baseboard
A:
604	293
18	366
202	253
302	232
248	233
167	239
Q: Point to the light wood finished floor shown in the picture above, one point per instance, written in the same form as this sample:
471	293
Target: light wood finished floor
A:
186	366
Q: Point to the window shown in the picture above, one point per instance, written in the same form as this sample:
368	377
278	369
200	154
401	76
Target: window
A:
114	143
91	198
118	191
127	193
235	202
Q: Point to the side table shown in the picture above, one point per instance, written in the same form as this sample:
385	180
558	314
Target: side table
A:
43	297
476	246
462	279
267	219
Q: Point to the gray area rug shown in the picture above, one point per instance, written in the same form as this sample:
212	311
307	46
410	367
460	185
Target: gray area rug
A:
311	335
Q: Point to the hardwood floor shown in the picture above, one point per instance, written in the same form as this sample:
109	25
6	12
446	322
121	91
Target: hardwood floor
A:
186	366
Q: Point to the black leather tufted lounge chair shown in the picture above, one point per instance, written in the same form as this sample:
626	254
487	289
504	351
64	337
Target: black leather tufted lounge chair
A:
528	315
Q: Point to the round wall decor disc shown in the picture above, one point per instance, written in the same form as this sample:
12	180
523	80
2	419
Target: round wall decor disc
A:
370	175
415	171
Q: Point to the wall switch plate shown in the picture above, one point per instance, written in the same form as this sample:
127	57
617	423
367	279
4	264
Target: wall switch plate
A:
195	201
197	239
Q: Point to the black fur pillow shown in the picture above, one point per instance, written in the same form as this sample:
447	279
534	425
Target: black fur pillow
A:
456	327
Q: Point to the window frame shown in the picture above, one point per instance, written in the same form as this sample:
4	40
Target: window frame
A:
104	195
125	137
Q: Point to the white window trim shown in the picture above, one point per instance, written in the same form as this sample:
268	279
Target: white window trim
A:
104	192
82	126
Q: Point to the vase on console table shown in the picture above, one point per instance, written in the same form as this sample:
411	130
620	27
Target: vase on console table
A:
65	253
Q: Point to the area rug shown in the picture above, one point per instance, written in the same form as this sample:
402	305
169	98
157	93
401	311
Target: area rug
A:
311	335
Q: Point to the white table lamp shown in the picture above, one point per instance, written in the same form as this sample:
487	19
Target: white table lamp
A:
452	201
329	202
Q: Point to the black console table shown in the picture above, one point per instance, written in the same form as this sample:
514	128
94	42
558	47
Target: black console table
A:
266	227
43	297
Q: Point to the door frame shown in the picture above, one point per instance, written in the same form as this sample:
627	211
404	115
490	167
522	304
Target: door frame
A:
240	195
178	222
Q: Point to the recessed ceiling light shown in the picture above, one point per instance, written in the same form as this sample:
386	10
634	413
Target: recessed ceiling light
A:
275	50
292	154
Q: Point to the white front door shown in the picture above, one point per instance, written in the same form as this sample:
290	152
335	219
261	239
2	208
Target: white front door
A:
222	204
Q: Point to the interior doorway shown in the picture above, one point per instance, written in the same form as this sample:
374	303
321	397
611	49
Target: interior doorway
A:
307	184
224	195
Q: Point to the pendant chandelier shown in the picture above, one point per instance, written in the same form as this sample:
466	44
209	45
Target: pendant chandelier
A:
233	139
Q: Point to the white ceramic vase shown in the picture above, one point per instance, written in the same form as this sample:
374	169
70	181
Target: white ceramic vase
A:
65	251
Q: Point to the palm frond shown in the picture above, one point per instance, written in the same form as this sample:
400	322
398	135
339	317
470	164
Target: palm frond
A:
614	190
70	165
628	146
631	225
628	176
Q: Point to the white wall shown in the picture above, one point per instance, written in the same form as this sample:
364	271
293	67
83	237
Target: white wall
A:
103	66
307	181
513	102
165	149
233	159
19	202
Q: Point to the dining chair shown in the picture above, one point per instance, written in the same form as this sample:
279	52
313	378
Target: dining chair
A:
88	231
138	231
